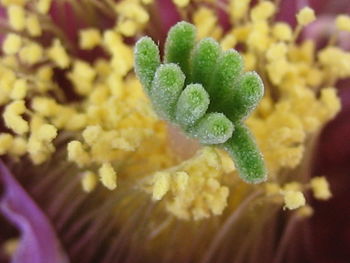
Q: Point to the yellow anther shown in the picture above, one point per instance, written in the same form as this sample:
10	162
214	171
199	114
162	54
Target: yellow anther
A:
91	134
32	53
16	16
276	51
13	2
239	8
58	54
181	180
305	211
331	101
342	22
12	44
306	16
293	199
77	154
132	10
282	31
47	132
229	41
45	73
108	176
181	3
89	38
262	11
127	27
45	106
147	2
76	121
20	88
13	119
88	181
320	188
161	185
6	141
83	71
43	6
33	25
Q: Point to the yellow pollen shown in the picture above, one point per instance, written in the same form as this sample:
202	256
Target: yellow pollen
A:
282	31
33	26
16	16
47	132
43	6
88	181
342	22
89	38
108	176
58	54
31	53
306	16
13	119
181	3
20	88
77	154
320	188
262	11
12	44
161	185
293	199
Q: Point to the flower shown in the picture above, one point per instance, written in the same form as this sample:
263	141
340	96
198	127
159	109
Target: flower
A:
79	133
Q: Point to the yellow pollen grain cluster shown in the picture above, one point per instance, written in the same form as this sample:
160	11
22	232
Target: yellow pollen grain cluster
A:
19	91
33	25
293	199
238	9
43	6
89	38
88	181
31	53
13	119
282	31
16	15
108	176
12	44
77	153
192	189
320	188
181	3
58	54
306	16
262	11
206	22
342	22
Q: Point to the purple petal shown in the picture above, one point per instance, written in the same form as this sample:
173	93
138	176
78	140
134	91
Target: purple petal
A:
38	242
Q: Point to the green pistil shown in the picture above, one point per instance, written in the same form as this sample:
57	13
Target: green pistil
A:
204	91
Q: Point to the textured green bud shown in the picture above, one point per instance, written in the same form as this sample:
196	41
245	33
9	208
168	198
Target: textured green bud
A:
204	59
213	128
192	104
245	97
246	155
147	61
166	88
179	44
227	71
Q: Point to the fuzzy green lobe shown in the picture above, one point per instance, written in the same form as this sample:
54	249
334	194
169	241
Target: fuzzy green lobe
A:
204	91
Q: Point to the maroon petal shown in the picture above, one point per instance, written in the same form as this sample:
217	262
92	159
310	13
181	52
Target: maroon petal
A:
38	242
